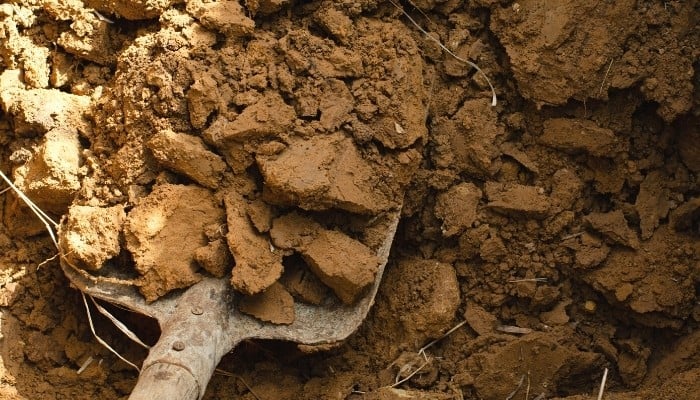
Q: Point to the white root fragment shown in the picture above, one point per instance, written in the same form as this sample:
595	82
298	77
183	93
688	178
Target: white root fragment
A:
450	52
602	384
86	364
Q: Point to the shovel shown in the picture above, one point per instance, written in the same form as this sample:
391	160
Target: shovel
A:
199	325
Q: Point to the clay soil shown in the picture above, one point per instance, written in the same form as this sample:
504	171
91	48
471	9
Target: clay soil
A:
258	141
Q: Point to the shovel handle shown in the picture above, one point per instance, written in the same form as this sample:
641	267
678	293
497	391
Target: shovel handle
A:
192	342
166	381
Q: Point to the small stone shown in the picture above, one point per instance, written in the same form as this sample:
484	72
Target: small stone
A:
590	306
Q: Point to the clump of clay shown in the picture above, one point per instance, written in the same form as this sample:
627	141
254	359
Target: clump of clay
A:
38	111
275	305
517	200
579	135
50	178
188	156
457	208
326	171
613	225
163	232
214	258
258	265
90	235
326	252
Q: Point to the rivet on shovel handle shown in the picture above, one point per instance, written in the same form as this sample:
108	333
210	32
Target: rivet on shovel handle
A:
179	346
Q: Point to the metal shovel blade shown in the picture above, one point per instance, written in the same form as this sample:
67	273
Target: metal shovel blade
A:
199	325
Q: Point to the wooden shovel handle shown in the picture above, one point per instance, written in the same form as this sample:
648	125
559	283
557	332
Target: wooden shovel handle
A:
193	340
166	381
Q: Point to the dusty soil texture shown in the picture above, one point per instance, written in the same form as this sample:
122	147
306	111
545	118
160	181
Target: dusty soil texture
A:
558	232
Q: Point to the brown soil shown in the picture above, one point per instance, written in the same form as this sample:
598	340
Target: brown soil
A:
258	141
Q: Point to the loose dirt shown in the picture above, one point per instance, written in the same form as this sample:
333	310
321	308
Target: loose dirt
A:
259	141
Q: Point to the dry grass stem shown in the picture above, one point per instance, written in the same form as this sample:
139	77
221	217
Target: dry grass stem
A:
528	280
527	390
600	91
232	375
48	260
446	334
45	219
494	101
602	384
5	190
412	374
514	392
120	325
573	235
99	339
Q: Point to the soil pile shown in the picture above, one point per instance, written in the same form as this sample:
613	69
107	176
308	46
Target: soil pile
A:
258	142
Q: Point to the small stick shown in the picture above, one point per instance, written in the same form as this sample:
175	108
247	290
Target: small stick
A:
5	190
602	384
605	77
448	51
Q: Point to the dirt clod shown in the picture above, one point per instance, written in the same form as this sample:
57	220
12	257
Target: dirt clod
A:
258	263
91	235
264	142
171	217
